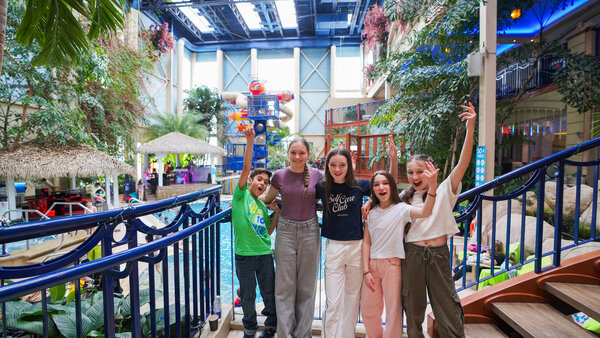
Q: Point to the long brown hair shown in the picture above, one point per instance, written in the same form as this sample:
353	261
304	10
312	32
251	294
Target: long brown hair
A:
349	180
407	194
394	197
306	171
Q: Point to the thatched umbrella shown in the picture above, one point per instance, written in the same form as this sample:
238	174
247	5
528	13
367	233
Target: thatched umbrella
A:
34	160
52	159
178	143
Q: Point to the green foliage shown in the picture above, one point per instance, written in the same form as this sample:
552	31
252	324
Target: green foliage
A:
57	26
429	72
187	124
27	317
578	83
95	101
430	77
206	105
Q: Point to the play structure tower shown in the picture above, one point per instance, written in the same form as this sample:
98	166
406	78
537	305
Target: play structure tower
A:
262	111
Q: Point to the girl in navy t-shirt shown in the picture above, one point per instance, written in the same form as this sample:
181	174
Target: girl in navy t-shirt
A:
342	196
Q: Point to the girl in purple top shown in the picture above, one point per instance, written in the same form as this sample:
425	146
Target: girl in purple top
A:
297	243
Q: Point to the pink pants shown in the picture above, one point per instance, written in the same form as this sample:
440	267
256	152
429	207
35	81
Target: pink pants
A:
387	275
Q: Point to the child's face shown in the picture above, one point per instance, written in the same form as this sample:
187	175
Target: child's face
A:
258	184
381	188
414	173
338	167
298	154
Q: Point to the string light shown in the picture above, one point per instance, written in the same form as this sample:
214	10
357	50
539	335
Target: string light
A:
515	13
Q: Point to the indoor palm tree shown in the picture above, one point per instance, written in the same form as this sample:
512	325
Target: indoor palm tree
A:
186	124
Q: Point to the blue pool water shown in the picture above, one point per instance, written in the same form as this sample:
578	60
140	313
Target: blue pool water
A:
227	274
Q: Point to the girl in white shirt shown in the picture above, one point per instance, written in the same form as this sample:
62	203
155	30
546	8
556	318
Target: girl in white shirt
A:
426	266
382	250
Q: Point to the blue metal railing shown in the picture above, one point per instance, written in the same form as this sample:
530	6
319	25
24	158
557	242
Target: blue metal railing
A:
536	175
187	295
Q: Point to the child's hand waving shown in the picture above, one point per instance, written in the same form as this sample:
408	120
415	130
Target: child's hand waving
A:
469	115
249	134
390	146
430	175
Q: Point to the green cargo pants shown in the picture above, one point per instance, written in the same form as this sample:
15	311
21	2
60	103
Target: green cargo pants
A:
426	271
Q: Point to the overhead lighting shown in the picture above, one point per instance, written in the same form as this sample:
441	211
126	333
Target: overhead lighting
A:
515	13
287	13
249	14
198	20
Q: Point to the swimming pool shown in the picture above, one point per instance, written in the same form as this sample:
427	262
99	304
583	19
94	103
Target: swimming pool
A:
228	277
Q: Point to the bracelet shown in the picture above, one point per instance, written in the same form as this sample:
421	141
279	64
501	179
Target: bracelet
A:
366	273
431	195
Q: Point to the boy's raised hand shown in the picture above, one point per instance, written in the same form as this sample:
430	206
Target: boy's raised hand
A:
469	115
249	134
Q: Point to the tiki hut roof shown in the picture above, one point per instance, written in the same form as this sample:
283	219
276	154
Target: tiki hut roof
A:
34	160
178	143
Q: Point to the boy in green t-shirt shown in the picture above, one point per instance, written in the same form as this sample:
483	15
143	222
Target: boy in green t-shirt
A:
252	227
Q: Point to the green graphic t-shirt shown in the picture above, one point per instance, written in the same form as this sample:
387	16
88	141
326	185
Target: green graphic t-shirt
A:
250	223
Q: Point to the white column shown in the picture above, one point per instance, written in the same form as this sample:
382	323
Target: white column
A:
116	201
180	51
487	84
107	191
138	165
169	86
161	168
192	70
73	183
11	193
220	82
295	124
253	63
333	58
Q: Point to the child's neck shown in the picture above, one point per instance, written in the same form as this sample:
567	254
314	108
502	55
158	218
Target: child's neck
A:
385	205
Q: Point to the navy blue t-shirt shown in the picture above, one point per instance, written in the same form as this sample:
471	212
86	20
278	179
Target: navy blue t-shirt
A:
342	220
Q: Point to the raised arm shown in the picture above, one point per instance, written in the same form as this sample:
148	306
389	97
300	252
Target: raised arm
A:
392	152
467	150
249	134
366	256
430	175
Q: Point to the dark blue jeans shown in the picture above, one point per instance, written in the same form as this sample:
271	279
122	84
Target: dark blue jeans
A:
249	269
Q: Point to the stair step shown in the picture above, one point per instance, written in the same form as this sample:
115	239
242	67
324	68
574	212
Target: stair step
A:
538	320
483	330
583	297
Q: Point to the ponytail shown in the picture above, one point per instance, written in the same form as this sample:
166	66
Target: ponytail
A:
306	176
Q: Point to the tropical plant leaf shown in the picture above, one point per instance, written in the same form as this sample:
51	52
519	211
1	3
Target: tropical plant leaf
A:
67	324
15	320
96	315
57	293
56	26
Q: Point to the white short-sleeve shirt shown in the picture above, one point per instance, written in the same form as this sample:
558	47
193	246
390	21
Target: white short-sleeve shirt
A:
386	228
441	221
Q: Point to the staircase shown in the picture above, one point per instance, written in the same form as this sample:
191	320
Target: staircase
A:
535	305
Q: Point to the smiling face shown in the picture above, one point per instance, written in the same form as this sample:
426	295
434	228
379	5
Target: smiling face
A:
338	167
258	184
414	173
382	190
298	155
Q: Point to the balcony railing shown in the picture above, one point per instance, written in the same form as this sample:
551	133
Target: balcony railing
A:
511	79
349	114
